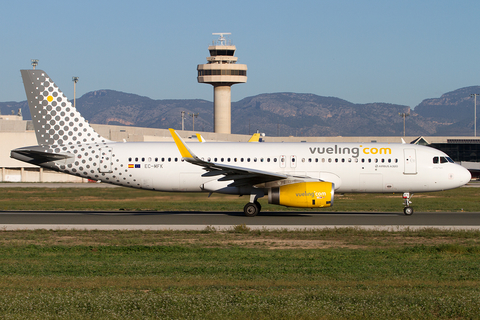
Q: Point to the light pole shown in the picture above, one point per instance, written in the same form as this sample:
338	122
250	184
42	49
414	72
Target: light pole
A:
193	115
75	80
183	120
34	63
403	115
475	114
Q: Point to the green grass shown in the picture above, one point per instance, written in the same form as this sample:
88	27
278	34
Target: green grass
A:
237	273
457	200
240	274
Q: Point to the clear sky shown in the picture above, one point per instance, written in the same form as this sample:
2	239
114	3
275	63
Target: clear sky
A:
362	51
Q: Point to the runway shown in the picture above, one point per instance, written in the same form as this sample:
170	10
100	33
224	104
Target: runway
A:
178	220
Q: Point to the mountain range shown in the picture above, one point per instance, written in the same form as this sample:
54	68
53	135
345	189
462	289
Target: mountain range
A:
282	114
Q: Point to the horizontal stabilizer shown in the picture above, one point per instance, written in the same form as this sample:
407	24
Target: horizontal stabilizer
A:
38	156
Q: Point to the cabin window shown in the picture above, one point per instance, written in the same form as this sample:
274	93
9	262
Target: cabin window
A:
254	159
228	159
268	159
156	159
221	160
329	159
129	159
136	159
248	159
323	159
274	159
435	159
443	160
241	159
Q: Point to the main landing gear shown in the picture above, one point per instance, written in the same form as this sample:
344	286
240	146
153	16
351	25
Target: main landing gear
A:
254	207
406	202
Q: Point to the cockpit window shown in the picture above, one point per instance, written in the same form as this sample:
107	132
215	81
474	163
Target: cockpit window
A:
442	160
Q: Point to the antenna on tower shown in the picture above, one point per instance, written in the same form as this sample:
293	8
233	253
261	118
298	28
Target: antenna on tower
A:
221	40
34	63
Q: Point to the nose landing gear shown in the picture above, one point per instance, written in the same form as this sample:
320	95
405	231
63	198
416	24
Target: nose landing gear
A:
408	211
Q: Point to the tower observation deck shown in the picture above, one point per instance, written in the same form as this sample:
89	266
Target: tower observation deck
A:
222	71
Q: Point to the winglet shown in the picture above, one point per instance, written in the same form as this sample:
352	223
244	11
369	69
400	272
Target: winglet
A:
200	138
255	137
182	147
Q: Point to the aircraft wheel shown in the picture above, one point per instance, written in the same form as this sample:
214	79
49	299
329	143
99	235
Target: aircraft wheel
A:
251	209
408	211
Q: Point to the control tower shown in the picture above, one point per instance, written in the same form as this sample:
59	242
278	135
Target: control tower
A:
222	71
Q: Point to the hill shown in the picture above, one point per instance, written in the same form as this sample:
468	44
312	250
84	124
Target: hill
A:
282	114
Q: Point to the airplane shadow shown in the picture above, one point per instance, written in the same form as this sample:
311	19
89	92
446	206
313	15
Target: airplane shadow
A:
218	213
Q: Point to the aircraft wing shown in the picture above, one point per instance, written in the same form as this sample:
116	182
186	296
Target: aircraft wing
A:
240	175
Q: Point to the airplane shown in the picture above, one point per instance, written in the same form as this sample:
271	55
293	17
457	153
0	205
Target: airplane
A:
304	175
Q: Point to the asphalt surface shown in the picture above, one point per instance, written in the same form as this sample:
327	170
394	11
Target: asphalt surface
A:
199	220
158	220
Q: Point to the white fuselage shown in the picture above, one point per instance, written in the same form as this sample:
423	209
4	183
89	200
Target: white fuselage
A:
368	167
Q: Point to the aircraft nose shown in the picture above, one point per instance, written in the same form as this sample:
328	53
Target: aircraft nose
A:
463	176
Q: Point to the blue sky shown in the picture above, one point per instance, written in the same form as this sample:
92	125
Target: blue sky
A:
362	51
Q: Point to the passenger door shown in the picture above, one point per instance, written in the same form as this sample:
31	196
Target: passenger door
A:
105	160
410	161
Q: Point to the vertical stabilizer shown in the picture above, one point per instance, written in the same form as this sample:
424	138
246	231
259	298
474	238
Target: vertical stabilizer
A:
55	120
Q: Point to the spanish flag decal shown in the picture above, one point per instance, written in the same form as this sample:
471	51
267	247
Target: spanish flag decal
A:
131	166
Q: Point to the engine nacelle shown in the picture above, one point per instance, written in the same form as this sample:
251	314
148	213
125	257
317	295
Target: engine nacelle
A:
303	195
